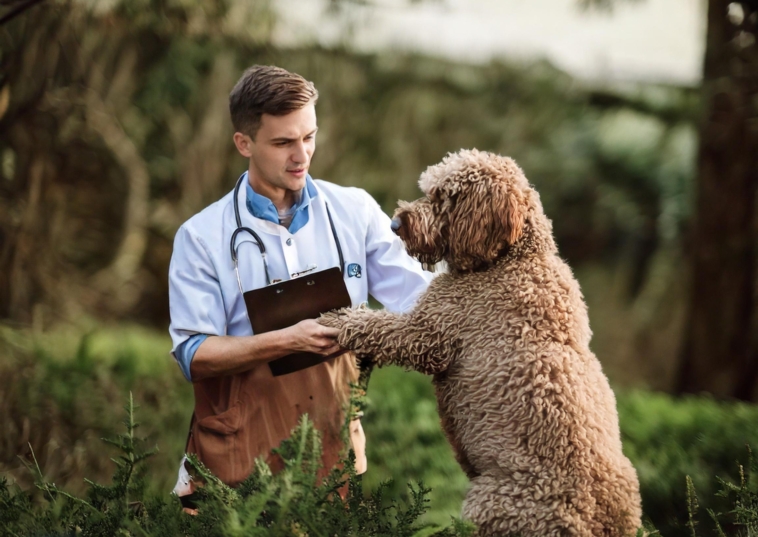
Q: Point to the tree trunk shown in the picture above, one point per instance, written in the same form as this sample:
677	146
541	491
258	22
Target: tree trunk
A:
719	351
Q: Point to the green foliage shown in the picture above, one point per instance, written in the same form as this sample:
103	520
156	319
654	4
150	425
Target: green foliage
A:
692	506
742	518
106	510
743	497
62	392
294	502
669	439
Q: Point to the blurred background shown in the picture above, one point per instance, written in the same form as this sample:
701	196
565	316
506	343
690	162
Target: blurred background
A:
637	121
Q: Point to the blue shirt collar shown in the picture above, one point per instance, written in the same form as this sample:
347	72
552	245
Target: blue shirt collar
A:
263	208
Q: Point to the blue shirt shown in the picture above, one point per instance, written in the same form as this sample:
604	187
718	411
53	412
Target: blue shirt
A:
263	208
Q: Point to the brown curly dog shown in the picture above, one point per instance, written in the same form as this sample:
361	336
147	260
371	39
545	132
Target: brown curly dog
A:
523	401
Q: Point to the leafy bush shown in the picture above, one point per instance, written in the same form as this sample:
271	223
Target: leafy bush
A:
61	393
668	439
290	503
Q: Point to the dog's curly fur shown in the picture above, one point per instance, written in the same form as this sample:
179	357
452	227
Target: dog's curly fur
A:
524	402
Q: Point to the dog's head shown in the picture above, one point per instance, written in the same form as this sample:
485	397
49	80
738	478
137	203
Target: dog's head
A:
478	207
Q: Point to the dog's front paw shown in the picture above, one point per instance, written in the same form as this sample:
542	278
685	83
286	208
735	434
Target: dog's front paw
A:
334	319
352	324
339	319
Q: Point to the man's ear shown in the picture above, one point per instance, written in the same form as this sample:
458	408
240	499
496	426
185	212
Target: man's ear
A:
243	143
508	206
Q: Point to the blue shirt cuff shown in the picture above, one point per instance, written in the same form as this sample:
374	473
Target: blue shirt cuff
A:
185	352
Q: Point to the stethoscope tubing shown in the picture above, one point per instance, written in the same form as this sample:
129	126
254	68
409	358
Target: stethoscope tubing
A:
259	242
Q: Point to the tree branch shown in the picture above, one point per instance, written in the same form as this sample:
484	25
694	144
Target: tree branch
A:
134	242
13	13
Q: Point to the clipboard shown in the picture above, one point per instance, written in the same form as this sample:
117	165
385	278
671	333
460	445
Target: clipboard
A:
286	303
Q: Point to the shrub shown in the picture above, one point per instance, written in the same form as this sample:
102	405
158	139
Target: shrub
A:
668	439
290	503
62	393
742	518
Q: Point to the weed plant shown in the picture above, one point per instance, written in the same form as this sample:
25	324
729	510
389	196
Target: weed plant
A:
741	520
670	440
291	503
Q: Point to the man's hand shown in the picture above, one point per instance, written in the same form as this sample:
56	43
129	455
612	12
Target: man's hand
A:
310	336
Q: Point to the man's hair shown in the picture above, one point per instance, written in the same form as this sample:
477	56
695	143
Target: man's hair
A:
265	89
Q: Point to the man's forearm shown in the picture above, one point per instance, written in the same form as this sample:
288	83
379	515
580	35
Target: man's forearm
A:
227	355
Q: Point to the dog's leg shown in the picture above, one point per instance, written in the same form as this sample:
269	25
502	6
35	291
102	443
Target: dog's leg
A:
390	338
503	507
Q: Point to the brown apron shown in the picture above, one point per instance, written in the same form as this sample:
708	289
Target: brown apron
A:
241	417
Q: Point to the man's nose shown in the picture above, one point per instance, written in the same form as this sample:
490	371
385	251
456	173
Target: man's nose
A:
396	224
300	155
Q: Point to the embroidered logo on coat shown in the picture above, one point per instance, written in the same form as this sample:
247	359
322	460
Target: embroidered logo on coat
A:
354	270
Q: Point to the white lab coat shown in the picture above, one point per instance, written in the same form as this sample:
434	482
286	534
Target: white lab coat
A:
204	296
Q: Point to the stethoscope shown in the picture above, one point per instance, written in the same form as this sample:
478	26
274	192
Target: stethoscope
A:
259	242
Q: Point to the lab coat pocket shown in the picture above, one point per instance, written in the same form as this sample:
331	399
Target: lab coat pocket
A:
215	442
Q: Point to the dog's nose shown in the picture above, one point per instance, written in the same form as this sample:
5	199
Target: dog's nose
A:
396	224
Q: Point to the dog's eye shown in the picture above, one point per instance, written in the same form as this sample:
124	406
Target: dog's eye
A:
439	208
434	196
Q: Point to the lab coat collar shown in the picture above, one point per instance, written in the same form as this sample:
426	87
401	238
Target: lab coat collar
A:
263	208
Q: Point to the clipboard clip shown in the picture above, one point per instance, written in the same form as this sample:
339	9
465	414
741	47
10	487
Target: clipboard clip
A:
306	270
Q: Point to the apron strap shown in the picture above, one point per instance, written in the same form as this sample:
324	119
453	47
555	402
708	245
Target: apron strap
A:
189	434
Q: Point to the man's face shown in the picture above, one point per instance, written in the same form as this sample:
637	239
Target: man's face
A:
280	154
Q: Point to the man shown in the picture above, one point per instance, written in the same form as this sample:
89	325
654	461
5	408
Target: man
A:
305	225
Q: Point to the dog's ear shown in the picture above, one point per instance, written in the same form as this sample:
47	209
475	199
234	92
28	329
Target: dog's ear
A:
508	208
486	216
477	224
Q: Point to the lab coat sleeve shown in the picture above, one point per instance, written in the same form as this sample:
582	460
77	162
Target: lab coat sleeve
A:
394	278
185	352
196	303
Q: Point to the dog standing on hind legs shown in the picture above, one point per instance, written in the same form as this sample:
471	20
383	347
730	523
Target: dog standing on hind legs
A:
523	401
